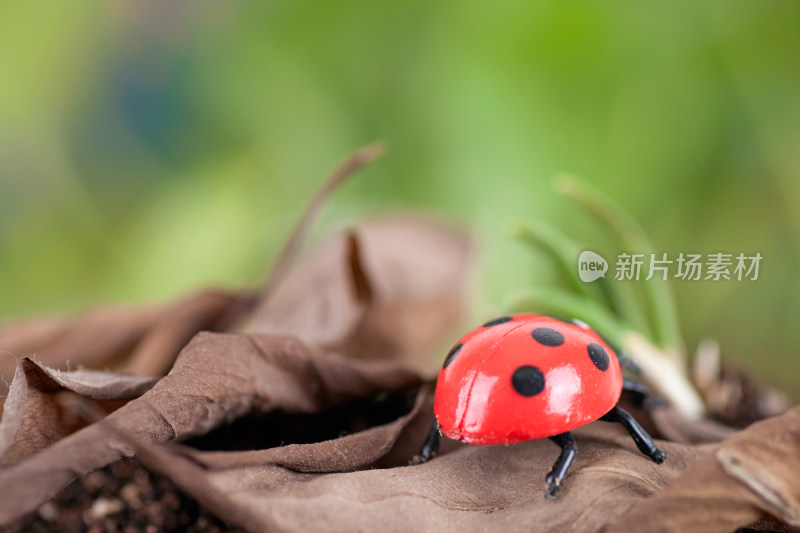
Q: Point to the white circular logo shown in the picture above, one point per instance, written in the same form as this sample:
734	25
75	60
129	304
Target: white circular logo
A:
591	266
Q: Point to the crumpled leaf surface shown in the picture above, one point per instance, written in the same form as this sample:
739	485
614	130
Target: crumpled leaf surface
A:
472	488
360	450
142	339
217	378
220	377
392	289
611	486
752	475
34	418
670	425
86	339
360	317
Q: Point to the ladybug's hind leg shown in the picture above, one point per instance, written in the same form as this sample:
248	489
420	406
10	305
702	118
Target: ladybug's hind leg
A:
430	446
643	441
560	468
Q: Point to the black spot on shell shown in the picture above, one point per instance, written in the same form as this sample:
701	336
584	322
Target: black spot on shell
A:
548	337
599	356
608	342
528	380
496	321
452	354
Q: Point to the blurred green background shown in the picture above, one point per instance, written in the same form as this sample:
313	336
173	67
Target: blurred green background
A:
149	148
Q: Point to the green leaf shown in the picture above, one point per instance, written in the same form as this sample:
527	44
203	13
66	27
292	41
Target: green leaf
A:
659	301
560	248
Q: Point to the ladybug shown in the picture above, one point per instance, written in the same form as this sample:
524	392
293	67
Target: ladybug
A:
526	376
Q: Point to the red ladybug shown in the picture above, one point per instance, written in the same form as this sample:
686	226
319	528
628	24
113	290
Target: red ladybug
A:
524	377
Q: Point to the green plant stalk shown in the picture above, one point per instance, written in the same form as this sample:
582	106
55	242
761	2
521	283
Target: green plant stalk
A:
659	300
564	253
561	249
626	305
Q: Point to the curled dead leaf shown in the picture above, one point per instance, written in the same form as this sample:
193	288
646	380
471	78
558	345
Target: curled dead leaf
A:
141	339
347	453
751	476
363	314
217	378
467	488
146	339
33	418
391	288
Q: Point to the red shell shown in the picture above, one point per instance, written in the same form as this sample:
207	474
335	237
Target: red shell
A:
477	403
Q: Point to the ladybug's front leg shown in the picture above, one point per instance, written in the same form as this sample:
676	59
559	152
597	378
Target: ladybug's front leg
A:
556	476
643	441
430	446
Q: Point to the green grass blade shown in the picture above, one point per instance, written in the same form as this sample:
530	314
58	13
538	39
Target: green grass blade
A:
660	303
560	248
623	300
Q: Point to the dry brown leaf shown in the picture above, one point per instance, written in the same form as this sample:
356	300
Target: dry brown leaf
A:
362	315
473	488
418	269
674	427
414	271
217	378
90	338
33	418
347	453
144	339
208	310
611	486
752	475
286	257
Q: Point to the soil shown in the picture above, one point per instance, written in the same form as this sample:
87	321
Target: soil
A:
122	497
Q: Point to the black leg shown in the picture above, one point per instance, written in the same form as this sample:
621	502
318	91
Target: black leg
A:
637	391
560	468
638	394
643	441
627	362
430	446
